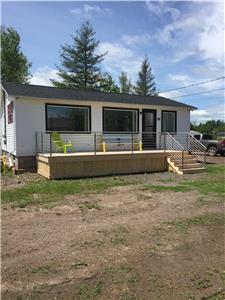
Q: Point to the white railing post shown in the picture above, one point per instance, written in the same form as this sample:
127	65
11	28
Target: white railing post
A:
95	143
204	158
42	143
175	149
132	141
164	141
50	143
183	159
36	142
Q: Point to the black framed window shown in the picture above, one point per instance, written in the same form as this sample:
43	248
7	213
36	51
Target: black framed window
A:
197	136
68	118
169	121
207	137
120	120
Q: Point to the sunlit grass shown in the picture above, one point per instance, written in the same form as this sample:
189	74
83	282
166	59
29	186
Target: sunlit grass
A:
48	191
212	183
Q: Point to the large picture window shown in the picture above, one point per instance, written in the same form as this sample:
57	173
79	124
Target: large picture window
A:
67	118
120	120
169	121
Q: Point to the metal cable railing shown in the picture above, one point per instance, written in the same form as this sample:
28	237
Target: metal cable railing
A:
176	144
197	149
95	142
175	149
192	145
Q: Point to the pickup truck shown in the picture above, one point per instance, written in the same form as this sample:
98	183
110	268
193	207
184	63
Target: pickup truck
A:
213	146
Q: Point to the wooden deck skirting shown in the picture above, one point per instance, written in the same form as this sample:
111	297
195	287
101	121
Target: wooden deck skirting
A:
79	165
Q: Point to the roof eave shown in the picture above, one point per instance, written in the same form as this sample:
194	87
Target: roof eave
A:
131	103
135	102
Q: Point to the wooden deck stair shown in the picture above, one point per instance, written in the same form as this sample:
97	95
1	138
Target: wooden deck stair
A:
190	165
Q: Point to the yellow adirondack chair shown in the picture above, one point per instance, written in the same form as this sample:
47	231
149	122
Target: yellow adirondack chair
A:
60	144
4	163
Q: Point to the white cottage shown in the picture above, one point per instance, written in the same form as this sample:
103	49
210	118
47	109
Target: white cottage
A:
27	110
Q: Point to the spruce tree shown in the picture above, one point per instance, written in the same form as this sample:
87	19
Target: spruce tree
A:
14	64
125	83
145	85
79	62
107	84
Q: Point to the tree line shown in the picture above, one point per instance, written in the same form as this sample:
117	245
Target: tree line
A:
210	127
79	65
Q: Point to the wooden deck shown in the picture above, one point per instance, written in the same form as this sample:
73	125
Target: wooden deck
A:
90	164
99	153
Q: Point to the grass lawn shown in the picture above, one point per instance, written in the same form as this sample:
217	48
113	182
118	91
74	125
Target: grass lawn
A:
213	183
46	191
135	237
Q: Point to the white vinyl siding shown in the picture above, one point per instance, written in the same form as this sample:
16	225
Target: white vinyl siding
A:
10	131
31	118
183	120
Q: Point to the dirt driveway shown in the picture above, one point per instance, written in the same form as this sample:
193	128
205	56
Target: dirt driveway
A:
220	160
126	243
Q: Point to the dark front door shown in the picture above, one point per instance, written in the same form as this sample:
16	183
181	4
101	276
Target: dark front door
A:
149	129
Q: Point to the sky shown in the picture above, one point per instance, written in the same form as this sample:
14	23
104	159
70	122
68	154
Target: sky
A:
184	41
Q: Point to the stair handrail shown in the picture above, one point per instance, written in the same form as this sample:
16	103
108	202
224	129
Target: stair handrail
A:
176	142
197	142
197	149
177	149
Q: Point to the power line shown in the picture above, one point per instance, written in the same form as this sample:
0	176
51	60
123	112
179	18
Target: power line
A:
194	84
188	95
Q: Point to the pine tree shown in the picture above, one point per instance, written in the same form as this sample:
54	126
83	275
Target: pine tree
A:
107	84
125	83
145	85
79	62
14	64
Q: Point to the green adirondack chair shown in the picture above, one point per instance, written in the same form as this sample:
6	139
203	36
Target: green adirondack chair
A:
60	144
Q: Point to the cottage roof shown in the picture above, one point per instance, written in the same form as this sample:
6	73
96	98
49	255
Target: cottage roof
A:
48	92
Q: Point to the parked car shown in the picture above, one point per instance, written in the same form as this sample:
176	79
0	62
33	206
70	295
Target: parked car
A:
212	145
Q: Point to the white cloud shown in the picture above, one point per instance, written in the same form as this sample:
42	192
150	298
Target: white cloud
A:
120	58
200	116
210	113
43	75
207	69
174	31
180	78
183	80
176	80
211	41
171	94
136	40
199	32
200	112
76	11
88	11
181	55
160	9
154	9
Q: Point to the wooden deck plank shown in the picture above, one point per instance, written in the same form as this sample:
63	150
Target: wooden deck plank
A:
87	164
102	153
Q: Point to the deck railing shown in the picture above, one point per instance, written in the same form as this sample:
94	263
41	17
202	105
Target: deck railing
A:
175	150
197	149
192	145
101	141
95	142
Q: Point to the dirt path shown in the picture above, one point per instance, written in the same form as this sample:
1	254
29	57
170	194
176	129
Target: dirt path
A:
126	245
219	160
